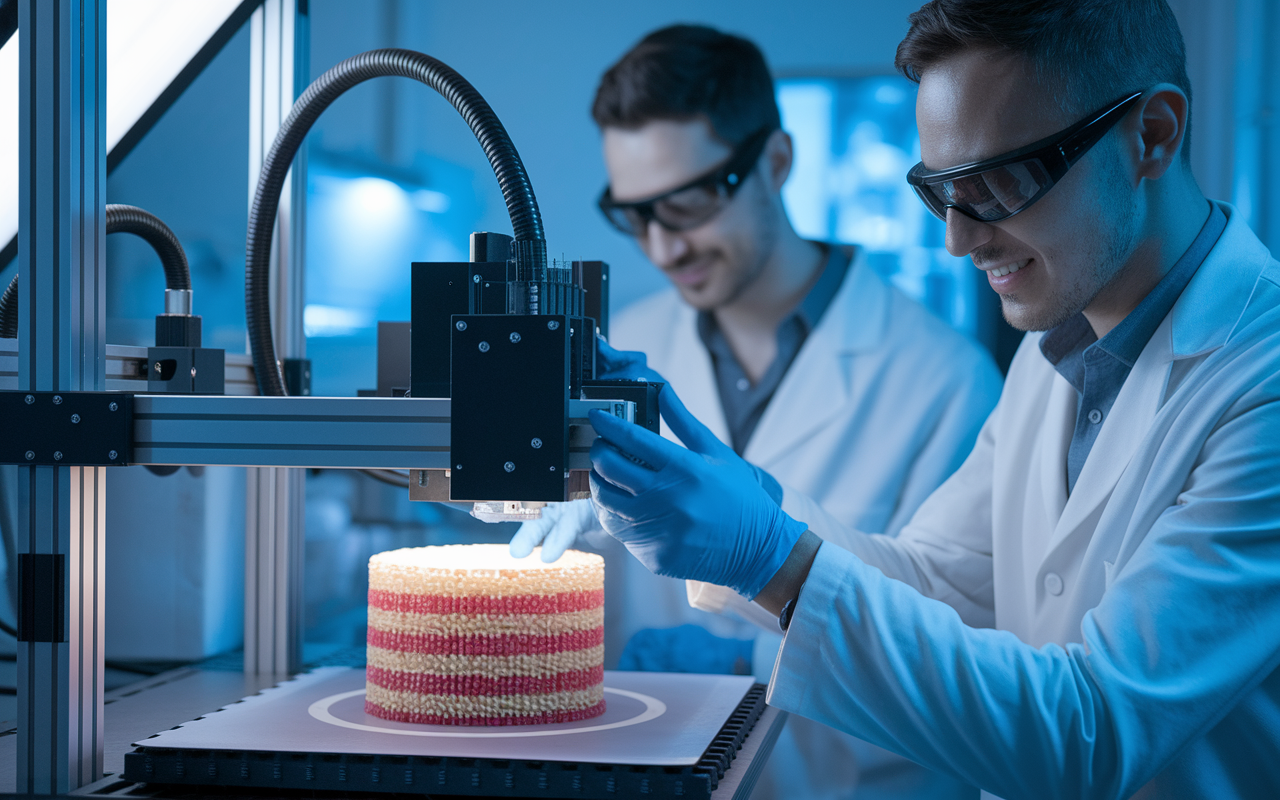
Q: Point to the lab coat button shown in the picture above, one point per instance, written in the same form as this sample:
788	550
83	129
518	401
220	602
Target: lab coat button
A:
1053	584
743	384
1095	416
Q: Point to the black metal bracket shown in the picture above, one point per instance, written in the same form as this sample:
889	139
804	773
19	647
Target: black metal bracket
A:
66	429
297	376
186	370
509	445
42	597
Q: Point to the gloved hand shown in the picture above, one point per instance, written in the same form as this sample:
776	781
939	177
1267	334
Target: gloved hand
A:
698	514
623	365
628	365
559	527
688	648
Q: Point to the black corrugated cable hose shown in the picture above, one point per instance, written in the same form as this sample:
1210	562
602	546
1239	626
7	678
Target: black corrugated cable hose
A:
9	311
119	219
148	227
522	206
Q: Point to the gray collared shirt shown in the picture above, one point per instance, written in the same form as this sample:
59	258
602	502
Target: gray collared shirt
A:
1098	368
744	403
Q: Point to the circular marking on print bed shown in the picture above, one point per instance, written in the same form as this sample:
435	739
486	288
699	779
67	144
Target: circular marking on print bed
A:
323	711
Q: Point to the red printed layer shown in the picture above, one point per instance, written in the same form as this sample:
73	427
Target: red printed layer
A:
517	604
436	719
484	686
502	645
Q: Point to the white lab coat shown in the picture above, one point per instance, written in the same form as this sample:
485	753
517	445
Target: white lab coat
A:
881	404
1138	619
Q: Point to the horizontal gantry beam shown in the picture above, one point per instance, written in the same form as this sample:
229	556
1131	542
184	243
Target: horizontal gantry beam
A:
320	432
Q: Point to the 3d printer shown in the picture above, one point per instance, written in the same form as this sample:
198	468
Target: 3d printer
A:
509	318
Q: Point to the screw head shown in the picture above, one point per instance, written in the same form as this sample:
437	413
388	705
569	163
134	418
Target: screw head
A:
57	455
114	406
457	466
553	469
157	366
537	443
514	337
57	399
552	325
460	325
484	347
510	466
112	455
31	455
75	418
193	372
30	399
475	278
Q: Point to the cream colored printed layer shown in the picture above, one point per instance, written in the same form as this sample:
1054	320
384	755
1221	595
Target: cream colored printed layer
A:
466	635
509	710
533	666
482	570
487	624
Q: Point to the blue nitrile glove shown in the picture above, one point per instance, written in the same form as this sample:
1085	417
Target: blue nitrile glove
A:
628	365
698	514
623	365
556	530
688	648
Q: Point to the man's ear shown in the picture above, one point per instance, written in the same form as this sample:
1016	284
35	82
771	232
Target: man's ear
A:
1160	132
779	156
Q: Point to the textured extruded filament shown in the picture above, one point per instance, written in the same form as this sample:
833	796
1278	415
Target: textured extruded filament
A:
468	635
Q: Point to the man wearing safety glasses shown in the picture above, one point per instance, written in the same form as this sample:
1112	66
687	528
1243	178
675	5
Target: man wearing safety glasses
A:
795	353
1090	606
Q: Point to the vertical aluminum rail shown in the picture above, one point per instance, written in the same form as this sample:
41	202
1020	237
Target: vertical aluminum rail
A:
274	532
62	339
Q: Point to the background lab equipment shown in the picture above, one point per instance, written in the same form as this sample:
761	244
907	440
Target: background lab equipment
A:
503	354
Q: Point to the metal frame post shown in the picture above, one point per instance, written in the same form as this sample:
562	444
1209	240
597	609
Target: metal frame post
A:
274	532
62	338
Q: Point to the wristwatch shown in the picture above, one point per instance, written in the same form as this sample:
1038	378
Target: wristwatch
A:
784	618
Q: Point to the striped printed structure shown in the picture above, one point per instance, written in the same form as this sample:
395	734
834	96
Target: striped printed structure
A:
468	635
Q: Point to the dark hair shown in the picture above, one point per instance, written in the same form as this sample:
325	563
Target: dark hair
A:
1088	52
686	71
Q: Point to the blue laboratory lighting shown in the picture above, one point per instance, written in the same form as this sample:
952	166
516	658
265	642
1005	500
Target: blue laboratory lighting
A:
365	228
855	139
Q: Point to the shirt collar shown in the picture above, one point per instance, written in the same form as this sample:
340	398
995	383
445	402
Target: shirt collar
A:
1126	341
819	298
815	302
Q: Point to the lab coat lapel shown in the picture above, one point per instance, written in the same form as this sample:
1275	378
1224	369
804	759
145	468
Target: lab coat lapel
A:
1125	427
1200	322
818	385
1055	441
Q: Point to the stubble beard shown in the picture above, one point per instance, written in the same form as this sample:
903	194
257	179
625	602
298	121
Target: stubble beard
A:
753	261
1102	264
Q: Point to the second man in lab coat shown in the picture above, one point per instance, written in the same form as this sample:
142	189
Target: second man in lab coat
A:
794	352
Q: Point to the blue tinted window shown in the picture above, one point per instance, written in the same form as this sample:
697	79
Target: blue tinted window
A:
855	139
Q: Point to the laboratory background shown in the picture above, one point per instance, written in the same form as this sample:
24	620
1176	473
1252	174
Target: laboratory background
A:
391	176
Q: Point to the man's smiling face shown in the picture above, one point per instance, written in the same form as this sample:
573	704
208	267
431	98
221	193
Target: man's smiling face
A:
713	263
1050	261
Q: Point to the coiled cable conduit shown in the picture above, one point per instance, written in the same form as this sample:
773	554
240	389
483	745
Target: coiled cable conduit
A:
119	219
529	248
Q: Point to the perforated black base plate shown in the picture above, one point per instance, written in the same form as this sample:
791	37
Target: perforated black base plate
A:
181	770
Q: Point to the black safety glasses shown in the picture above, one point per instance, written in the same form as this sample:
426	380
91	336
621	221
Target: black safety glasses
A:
691	204
1000	187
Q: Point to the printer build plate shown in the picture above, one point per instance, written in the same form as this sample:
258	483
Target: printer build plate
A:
311	732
